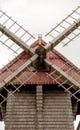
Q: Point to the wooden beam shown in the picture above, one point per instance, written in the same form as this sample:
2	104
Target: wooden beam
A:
16	39
39	107
62	35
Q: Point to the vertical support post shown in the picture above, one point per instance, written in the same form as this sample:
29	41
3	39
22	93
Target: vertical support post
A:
39	107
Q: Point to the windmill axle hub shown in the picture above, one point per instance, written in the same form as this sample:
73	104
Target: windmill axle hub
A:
41	56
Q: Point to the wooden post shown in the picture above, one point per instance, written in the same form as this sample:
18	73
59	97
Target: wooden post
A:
39	107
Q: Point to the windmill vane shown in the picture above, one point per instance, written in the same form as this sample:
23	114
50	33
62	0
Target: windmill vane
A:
39	87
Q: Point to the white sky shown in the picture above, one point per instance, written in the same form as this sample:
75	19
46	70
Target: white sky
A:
38	16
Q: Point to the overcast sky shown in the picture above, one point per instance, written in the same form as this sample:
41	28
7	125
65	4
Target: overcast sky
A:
38	16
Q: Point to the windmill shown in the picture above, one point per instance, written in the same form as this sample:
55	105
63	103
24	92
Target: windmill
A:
39	88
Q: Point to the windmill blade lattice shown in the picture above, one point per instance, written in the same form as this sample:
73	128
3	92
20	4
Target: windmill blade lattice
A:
14	37
69	75
66	31
9	29
8	74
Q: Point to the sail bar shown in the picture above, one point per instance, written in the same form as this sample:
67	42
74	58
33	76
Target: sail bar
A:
18	71
16	39
3	14
63	35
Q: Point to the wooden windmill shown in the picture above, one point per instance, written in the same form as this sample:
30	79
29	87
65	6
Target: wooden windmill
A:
39	88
